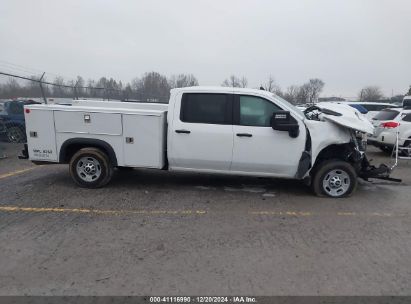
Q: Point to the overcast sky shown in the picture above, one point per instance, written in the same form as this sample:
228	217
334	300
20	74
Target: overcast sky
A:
347	43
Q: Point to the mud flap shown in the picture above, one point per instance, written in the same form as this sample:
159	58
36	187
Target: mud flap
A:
24	153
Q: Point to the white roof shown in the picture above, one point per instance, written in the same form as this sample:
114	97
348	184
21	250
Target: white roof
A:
216	89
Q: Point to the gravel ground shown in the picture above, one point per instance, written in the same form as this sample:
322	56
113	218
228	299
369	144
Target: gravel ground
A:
159	233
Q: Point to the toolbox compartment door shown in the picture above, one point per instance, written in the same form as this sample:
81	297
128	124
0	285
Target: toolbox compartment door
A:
144	140
41	137
88	122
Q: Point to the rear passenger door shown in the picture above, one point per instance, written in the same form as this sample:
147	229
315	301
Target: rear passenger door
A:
201	134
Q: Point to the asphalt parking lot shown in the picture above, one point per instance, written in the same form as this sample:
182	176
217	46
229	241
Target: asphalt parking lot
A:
152	232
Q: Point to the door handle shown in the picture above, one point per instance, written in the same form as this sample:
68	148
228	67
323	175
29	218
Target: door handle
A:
244	135
183	131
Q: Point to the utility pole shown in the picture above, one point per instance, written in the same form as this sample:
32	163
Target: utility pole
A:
41	88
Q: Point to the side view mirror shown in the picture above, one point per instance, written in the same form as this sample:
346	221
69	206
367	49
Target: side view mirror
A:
283	121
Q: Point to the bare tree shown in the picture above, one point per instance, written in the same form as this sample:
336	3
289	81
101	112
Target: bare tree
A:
370	93
152	87
271	85
80	83
243	82
58	90
291	95
235	82
127	92
183	80
314	88
303	94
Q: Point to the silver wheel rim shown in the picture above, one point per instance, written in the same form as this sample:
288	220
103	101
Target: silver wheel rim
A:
336	182
15	135
88	169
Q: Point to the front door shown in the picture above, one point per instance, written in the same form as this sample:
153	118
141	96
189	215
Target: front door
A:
258	148
201	134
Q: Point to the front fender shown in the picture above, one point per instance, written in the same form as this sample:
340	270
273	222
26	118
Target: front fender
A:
324	134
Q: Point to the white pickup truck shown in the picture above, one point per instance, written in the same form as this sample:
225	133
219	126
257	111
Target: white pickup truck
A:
205	129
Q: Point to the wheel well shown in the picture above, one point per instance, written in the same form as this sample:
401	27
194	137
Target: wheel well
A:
344	152
71	146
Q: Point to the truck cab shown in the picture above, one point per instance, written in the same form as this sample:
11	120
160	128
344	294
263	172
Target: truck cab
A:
230	131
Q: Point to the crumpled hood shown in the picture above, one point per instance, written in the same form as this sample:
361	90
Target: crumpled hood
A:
349	118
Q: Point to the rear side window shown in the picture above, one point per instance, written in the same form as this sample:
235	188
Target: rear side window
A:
407	117
386	114
206	108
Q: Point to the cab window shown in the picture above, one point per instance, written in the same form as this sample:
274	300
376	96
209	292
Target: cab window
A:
206	108
255	111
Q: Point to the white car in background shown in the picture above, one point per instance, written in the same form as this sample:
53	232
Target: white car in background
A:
386	125
370	109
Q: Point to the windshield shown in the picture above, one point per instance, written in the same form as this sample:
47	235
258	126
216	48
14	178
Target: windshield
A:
386	114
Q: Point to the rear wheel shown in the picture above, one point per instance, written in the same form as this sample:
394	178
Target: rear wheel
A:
90	168
334	178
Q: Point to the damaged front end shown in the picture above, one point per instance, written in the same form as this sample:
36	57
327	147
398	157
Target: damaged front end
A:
364	168
343	140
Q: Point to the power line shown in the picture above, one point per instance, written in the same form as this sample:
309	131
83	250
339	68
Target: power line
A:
55	84
30	71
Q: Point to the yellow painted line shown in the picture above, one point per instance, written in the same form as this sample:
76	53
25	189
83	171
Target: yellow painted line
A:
186	212
5	175
304	213
281	213
99	211
346	213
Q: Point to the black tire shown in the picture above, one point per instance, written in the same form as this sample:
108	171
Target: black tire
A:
89	159
125	169
334	178
15	135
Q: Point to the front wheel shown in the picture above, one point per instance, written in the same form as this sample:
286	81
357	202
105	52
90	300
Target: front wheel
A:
90	168
334	178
